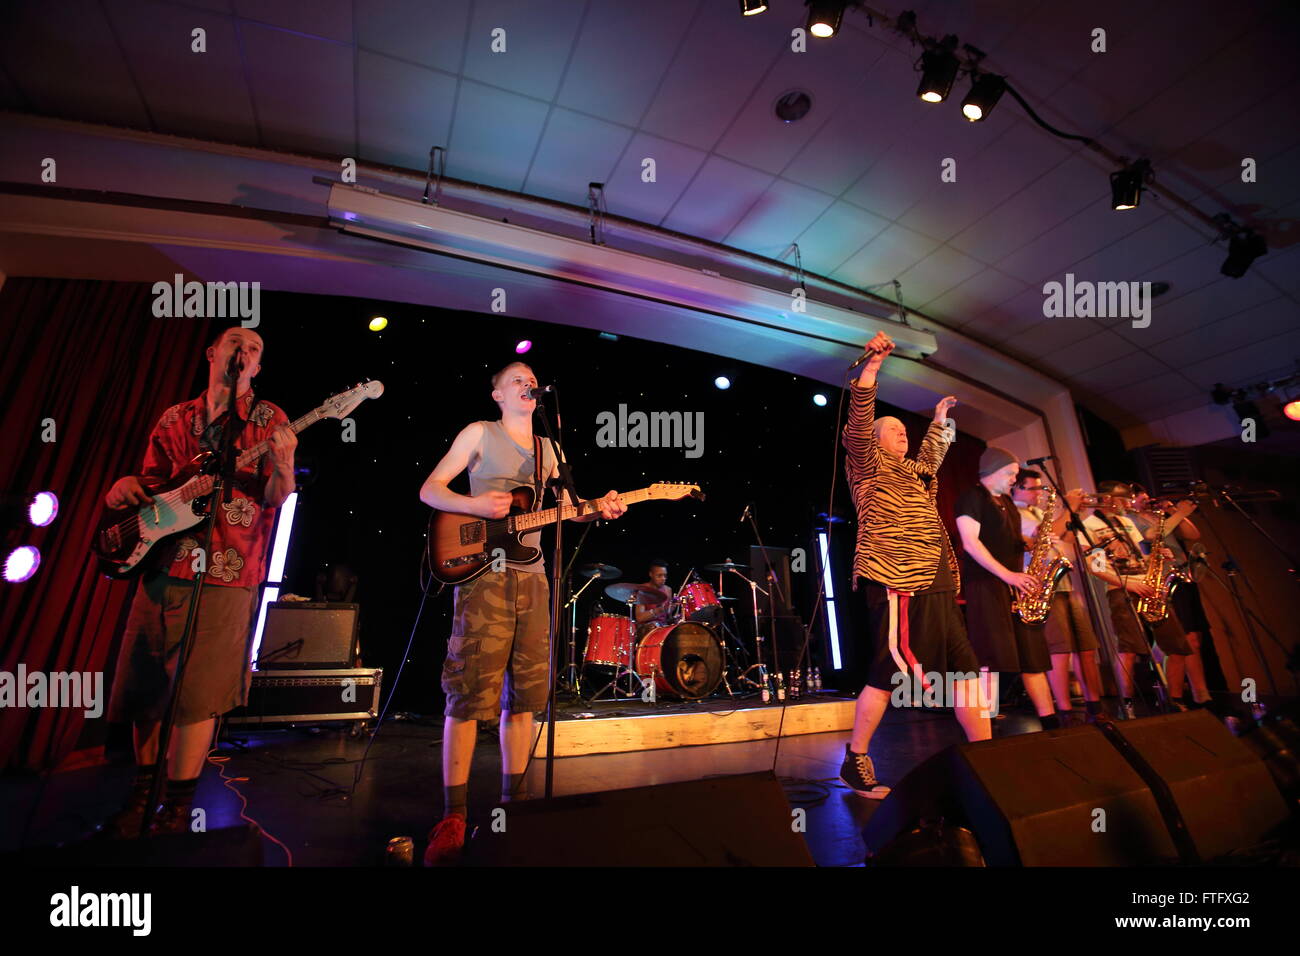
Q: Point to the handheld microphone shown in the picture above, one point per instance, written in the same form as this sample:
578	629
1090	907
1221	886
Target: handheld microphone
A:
864	357
1039	461
538	392
235	366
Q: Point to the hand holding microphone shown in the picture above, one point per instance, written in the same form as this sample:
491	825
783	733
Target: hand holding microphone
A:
875	352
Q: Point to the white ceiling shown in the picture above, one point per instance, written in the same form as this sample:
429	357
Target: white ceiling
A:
587	88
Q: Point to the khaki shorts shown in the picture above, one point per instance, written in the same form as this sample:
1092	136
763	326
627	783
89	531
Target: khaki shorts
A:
498	655
1169	634
217	675
1067	628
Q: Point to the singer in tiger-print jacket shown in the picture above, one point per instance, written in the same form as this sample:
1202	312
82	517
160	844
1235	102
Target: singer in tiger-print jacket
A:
906	575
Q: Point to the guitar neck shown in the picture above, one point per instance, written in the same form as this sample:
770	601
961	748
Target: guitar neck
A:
539	519
202	484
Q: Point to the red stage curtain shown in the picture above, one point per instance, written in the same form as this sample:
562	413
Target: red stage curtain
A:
92	357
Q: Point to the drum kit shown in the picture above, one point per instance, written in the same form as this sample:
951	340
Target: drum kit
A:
687	653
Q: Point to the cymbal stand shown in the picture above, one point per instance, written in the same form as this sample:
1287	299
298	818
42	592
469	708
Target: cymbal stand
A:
572	679
762	682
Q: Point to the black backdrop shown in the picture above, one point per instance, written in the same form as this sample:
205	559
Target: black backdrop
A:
764	440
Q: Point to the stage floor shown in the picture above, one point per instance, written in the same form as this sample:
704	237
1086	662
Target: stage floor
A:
300	785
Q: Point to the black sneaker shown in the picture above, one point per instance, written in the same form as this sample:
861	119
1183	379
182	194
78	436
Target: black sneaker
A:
858	772
125	824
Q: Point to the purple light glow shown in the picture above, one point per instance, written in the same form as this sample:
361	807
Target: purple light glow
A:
43	509
523	347
21	564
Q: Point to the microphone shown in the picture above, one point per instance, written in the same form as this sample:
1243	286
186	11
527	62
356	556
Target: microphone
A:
745	513
235	366
1039	461
536	393
864	357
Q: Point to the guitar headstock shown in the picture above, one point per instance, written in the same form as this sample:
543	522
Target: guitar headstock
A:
672	490
341	405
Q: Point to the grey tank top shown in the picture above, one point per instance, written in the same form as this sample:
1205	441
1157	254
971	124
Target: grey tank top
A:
500	464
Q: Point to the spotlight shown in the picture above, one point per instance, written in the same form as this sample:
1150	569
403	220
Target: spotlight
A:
938	70
750	7
1243	249
43	509
523	347
1292	410
824	17
819	400
983	96
1126	185
378	324
722	382
21	564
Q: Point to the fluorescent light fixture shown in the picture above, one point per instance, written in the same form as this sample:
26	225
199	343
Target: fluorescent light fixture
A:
830	601
269	594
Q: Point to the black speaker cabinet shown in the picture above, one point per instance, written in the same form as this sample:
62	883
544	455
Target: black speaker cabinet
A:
741	820
305	635
310	697
1074	798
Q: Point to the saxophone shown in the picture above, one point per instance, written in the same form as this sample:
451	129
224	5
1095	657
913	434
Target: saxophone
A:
1045	569
1160	577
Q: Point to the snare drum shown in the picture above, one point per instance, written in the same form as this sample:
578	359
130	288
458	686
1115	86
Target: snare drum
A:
686	660
609	641
700	603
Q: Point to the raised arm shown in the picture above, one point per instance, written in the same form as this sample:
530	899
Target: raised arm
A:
936	441
860	445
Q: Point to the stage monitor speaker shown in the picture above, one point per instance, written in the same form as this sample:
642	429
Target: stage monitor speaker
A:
1073	798
741	820
302	634
1223	791
1033	799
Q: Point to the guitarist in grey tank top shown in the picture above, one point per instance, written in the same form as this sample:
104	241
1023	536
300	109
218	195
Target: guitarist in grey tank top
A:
498	654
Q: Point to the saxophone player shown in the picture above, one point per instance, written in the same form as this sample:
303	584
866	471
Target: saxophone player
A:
1069	633
1186	598
1121	563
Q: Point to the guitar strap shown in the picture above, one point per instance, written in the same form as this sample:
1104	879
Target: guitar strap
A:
537	473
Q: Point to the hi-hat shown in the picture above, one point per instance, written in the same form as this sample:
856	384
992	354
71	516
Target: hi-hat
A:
727	565
624	592
606	572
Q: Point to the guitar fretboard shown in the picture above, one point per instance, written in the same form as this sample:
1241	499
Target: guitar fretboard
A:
538	519
201	485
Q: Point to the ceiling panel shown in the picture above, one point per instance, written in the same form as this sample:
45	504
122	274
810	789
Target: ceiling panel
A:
430	34
1088	353
71	64
977	295
1250	363
575	150
320	18
777	219
613	78
718	198
938	272
885	257
493	136
401	129
187	92
841	230
628	194
302	90
1229	334
539	39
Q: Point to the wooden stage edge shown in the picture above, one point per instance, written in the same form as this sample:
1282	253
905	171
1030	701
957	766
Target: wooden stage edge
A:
630	733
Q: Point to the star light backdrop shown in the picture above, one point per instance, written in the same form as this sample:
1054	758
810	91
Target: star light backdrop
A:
765	440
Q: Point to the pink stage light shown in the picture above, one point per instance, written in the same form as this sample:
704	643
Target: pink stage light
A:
523	347
43	509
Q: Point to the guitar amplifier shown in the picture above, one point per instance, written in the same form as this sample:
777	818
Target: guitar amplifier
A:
307	635
310	696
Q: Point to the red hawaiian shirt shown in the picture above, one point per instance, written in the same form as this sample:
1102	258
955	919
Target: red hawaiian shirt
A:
244	525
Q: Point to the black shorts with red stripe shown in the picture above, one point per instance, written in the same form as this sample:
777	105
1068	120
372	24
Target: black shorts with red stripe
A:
929	635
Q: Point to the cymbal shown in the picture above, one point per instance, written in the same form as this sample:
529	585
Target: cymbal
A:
727	565
606	572
624	591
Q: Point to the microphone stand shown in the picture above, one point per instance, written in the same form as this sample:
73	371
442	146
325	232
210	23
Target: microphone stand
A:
564	483
572	679
222	487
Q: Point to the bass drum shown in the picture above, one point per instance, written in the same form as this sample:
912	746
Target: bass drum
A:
686	660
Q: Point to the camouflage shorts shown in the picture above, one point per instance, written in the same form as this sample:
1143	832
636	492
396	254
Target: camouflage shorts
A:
497	656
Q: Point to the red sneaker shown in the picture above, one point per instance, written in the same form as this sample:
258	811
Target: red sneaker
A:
446	841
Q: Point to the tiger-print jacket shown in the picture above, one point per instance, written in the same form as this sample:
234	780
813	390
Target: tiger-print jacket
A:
900	535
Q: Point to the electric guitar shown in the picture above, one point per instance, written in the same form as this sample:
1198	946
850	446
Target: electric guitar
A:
463	546
125	537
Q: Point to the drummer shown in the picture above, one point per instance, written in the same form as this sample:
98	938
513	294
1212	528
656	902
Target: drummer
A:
650	616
